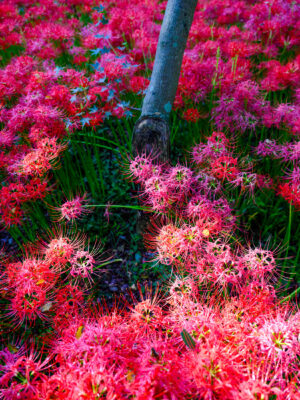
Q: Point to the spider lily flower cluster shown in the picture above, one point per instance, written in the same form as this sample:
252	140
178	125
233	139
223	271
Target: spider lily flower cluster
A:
49	283
244	344
198	221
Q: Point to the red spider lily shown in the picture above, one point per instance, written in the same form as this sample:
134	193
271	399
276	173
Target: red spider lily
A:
73	209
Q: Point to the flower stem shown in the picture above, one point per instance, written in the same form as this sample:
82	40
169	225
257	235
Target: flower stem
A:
119	206
290	296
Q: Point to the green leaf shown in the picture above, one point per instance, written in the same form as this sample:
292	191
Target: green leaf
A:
188	340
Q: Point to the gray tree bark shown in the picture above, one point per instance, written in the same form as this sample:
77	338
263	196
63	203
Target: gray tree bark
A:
151	133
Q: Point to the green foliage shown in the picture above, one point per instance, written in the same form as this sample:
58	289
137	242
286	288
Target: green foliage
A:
188	340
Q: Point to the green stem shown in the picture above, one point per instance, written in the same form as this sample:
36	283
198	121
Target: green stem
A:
288	233
119	206
290	296
109	262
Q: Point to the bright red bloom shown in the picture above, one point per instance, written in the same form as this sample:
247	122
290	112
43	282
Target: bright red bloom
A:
138	84
291	192
73	209
191	115
225	168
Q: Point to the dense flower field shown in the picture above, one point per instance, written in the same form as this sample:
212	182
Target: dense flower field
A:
223	224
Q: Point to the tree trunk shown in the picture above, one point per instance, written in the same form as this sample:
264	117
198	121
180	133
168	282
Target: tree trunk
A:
151	132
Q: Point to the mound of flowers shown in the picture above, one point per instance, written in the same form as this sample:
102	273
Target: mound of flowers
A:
217	331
